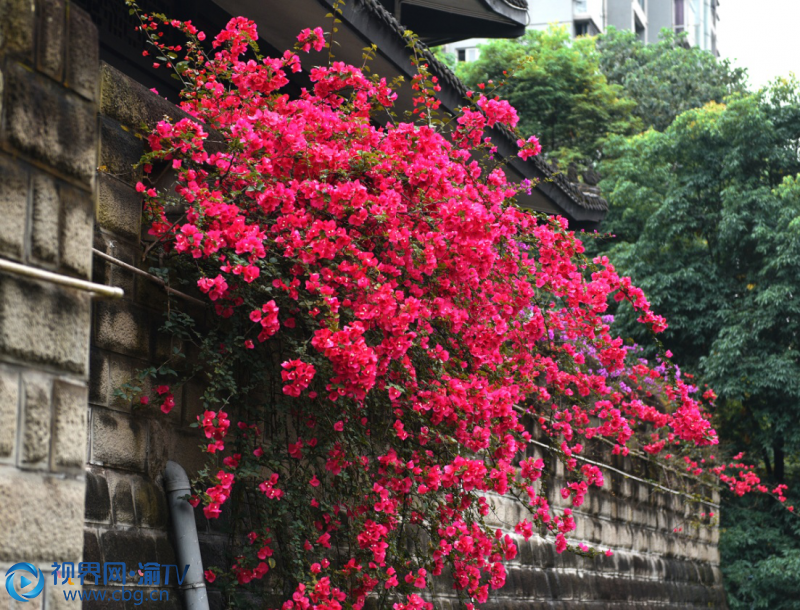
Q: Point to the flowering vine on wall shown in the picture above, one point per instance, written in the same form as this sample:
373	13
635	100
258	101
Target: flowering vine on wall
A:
389	330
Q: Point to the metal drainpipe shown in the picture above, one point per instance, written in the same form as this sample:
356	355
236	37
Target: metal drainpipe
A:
188	548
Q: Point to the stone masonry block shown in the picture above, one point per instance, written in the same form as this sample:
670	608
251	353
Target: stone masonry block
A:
83	61
36	428
98	499
77	226
102	604
51	124
17	27
184	449
7	603
91	550
130	547
150	503
69	414
98	378
131	103
122	327
160	444
165	554
118	440
52	34
9	402
42	518
45	217
44	324
119	207
122	499
193	405
124	370
120	150
14	203
106	272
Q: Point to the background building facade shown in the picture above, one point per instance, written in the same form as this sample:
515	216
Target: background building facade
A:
698	18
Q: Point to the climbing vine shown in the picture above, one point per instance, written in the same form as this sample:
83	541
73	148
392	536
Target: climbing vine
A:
390	332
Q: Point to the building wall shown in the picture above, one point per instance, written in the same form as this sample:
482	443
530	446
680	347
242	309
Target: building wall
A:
81	469
48	77
630	14
594	16
542	13
659	15
127	517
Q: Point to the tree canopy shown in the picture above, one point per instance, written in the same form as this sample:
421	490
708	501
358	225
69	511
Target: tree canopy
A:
558	89
707	219
666	78
575	94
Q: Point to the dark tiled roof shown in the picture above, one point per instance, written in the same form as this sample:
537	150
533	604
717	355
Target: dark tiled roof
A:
585	200
523	4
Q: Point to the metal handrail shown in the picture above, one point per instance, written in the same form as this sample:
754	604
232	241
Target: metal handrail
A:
100	290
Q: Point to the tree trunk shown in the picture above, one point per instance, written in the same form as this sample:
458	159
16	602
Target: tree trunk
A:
778	458
767	463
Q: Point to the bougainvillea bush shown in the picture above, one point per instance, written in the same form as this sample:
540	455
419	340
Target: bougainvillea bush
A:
389	330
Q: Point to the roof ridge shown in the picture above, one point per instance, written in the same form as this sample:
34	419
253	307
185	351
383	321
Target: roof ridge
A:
587	201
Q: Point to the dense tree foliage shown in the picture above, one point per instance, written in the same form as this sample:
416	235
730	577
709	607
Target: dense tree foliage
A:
574	94
760	554
665	78
707	218
559	91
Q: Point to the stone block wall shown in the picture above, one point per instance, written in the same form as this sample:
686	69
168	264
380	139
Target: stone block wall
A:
127	517
652	566
48	137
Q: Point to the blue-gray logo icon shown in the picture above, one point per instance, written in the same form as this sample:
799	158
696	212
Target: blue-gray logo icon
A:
23	569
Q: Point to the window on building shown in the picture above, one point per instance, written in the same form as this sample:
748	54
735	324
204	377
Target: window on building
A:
640	30
581	6
462	54
581	28
680	18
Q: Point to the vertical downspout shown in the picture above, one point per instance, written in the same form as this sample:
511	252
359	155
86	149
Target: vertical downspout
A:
186	544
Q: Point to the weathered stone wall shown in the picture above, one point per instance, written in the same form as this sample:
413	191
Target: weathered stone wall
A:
126	510
48	107
652	565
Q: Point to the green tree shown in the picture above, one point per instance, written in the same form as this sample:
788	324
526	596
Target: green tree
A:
558	89
665	78
707	219
760	554
446	57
